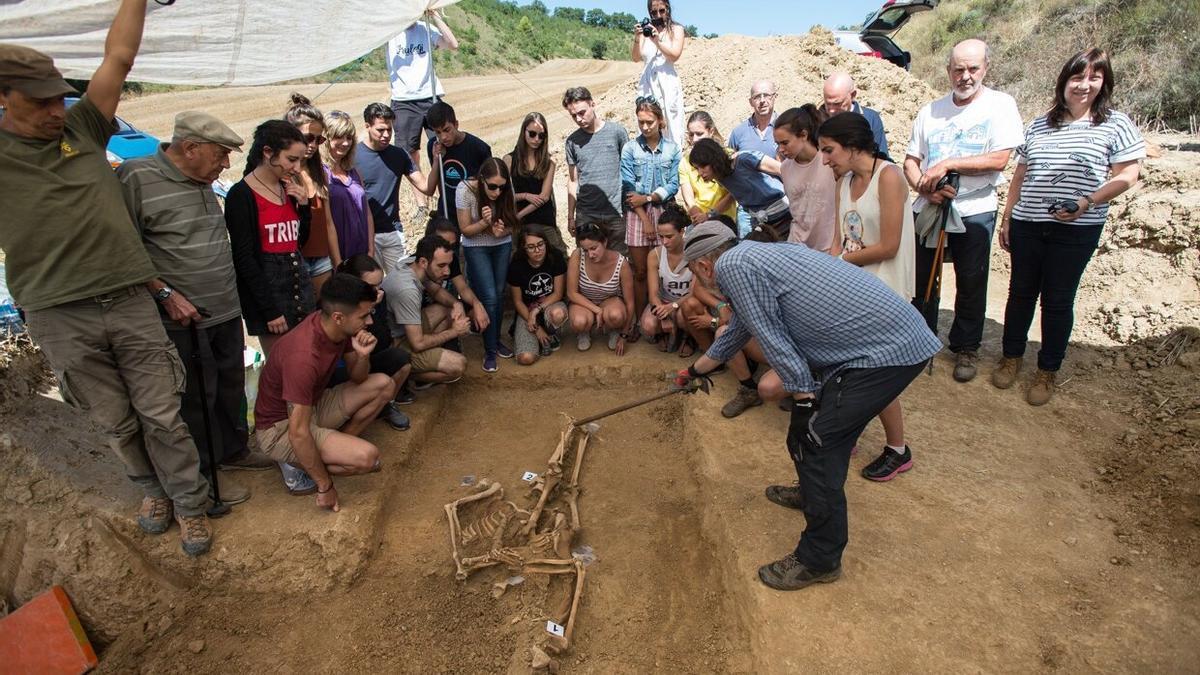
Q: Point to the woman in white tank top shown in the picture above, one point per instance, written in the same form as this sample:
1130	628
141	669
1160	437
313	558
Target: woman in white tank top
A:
669	282
600	289
875	232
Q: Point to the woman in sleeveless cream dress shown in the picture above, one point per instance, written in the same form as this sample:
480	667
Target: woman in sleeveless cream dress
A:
659	52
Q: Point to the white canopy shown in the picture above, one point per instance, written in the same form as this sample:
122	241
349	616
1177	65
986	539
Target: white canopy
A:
214	42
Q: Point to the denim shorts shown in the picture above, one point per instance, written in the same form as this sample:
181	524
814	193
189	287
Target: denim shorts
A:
319	266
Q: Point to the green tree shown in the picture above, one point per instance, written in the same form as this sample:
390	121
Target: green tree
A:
569	13
539	7
709	36
597	18
623	21
691	31
599	49
524	26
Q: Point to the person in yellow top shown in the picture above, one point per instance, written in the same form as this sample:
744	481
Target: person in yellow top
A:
703	197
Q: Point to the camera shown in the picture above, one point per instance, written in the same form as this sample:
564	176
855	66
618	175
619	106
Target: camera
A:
1065	205
649	25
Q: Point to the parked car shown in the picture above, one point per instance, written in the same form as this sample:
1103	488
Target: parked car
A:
875	38
128	142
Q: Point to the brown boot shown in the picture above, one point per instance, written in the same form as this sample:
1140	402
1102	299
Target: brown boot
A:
155	515
1042	388
196	534
743	399
1005	374
964	366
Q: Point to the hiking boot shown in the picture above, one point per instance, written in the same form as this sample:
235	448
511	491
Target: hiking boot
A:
298	482
888	465
743	399
789	496
789	574
395	419
964	366
1042	388
155	515
584	341
251	460
195	533
1005	374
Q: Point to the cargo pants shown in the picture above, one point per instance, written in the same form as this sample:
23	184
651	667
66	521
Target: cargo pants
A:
113	360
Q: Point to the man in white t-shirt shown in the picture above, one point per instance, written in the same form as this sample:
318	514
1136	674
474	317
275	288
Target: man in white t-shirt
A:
414	84
971	131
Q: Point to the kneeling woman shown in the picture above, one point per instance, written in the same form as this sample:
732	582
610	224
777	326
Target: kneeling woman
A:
607	304
537	281
669	281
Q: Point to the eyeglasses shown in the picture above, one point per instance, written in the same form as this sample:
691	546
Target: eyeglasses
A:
495	186
762	97
537	135
645	99
535	247
310	139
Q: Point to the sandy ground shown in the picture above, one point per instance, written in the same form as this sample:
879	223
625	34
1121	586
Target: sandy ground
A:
1063	538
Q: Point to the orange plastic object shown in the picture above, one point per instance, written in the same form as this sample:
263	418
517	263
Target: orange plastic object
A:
44	637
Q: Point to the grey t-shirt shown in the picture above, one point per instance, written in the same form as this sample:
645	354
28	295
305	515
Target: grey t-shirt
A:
402	294
598	159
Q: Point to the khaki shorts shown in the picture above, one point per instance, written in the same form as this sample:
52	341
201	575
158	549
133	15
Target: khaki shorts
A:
428	360
328	416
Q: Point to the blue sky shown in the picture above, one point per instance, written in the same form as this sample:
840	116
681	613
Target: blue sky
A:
759	17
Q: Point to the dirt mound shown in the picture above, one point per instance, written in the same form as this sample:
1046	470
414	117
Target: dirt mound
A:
23	371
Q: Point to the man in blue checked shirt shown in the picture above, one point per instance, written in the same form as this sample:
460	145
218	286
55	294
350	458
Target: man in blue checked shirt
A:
844	345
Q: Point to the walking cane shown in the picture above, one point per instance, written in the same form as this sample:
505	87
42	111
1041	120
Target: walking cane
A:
433	95
939	255
218	508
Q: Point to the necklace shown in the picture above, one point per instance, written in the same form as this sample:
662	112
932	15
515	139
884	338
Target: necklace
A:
282	195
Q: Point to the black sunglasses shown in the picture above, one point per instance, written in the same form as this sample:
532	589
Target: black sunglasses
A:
535	134
495	186
310	138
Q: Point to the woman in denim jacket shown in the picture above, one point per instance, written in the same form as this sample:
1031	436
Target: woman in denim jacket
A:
649	178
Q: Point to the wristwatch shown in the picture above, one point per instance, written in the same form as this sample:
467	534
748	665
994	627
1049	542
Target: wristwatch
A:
675	305
163	293
715	321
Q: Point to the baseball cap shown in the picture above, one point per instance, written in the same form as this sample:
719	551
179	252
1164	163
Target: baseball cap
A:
31	72
705	238
193	125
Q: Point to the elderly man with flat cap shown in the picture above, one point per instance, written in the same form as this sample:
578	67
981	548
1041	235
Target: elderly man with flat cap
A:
170	197
844	346
77	266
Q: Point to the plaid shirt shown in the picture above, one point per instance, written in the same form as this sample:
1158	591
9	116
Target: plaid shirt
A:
815	315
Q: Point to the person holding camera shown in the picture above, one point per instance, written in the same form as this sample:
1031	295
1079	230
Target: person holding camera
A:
875	220
658	42
971	131
1076	159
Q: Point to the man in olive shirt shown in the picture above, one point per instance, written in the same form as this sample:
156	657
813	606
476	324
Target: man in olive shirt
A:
76	264
170	197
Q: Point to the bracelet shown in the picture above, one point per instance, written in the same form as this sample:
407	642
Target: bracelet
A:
721	305
322	492
715	322
1091	202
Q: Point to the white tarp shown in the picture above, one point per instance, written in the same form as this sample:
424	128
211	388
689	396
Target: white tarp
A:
214	42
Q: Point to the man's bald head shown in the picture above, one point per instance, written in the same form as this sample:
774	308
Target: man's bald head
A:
839	93
762	97
967	66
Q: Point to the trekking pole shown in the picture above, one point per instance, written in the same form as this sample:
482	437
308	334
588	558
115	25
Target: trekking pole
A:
218	508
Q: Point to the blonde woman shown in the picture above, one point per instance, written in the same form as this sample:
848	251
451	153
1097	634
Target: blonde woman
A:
320	251
348	206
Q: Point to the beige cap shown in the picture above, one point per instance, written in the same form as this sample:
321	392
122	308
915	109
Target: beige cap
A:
193	125
31	72
706	238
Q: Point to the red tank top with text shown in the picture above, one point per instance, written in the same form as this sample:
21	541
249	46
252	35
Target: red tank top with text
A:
278	225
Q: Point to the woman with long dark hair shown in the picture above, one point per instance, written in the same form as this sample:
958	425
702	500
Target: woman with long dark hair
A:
321	252
753	180
810	184
532	173
488	220
874	212
703	198
537	281
600	290
1076	159
659	51
268	217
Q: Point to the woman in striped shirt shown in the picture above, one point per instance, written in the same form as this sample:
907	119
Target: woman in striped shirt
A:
600	289
1077	158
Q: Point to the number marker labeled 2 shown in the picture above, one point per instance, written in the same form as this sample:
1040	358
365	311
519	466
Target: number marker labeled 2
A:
529	476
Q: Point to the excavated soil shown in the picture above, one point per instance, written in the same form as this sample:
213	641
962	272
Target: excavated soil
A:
1063	538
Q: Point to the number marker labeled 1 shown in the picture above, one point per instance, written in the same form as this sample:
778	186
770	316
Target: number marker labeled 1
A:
529	476
555	629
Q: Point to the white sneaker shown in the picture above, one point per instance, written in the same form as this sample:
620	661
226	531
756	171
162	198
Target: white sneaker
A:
584	341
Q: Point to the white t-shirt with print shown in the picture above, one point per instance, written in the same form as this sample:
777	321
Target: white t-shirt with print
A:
944	129
408	57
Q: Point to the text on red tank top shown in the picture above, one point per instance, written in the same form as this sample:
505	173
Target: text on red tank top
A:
278	226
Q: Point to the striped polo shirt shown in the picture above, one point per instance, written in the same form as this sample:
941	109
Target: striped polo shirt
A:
1073	161
183	229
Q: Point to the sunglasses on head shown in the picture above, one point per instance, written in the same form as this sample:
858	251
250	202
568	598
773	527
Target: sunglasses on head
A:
645	99
310	139
541	135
